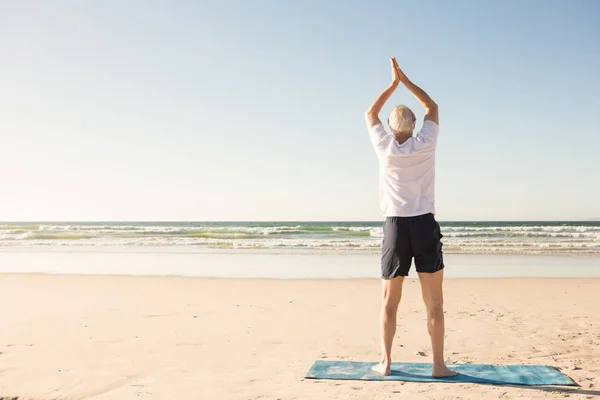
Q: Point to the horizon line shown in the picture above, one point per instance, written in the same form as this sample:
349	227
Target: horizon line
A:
291	220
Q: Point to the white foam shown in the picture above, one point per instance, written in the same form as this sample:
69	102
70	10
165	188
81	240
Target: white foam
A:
516	239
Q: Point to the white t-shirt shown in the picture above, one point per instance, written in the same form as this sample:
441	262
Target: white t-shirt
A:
406	171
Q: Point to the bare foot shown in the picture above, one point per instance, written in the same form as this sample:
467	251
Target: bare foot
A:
442	372
382	369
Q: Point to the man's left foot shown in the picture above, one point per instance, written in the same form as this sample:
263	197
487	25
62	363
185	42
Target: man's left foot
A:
382	369
442	372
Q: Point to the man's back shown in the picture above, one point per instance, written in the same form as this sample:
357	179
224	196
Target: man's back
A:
406	171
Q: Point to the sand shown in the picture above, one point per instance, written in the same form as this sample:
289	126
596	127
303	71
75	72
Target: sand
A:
110	337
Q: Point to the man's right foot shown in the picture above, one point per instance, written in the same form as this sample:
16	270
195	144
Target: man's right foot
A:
442	372
382	369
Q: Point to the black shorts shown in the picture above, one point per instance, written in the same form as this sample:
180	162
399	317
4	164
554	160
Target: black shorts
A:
408	237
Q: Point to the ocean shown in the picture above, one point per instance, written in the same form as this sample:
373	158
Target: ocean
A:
341	237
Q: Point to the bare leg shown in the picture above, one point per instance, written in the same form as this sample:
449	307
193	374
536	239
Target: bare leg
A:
431	286
392	292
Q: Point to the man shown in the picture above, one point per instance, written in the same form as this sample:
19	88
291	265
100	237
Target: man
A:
406	191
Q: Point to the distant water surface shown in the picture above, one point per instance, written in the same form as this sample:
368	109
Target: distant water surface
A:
572	238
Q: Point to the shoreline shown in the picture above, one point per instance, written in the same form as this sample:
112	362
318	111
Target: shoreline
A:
284	266
208	278
258	251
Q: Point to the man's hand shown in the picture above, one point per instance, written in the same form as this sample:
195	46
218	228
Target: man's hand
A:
397	74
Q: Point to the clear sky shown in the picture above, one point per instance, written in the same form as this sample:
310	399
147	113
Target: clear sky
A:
253	110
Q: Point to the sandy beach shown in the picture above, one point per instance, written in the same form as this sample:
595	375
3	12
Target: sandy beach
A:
111	337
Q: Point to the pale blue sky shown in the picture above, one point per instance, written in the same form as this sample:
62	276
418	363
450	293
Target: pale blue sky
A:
253	110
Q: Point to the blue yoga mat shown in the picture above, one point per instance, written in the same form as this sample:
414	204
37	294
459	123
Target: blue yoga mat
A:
421	372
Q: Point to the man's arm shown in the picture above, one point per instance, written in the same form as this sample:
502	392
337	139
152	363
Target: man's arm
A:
431	108
372	113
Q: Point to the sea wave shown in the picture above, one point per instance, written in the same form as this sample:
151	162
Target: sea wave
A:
463	238
56	236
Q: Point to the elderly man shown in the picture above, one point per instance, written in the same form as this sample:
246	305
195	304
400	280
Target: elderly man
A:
406	191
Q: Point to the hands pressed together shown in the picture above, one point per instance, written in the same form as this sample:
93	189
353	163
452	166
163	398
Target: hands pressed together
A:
397	74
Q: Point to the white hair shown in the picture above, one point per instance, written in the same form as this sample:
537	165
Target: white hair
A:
402	119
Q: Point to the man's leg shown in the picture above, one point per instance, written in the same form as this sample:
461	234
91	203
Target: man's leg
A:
431	287
392	292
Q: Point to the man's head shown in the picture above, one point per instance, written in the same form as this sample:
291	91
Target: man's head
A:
402	121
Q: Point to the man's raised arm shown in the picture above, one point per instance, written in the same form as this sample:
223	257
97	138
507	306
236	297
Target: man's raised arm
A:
431	108
372	113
